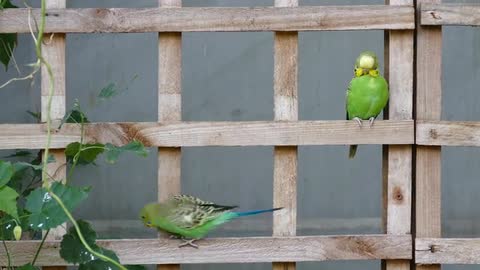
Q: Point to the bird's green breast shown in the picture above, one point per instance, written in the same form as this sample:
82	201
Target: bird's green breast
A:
366	97
197	232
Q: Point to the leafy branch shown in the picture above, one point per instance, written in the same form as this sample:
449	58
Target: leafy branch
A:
25	187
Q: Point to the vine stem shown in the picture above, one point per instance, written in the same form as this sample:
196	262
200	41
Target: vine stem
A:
80	235
40	247
9	260
38	49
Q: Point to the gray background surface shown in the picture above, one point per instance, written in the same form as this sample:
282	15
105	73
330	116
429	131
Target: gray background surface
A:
228	76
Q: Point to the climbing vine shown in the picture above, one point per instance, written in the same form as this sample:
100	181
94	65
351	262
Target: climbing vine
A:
33	201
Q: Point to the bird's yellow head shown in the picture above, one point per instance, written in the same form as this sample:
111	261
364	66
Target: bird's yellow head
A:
367	60
145	215
366	63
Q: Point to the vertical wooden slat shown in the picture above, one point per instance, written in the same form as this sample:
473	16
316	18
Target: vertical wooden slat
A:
398	173
169	109
53	49
428	107
285	108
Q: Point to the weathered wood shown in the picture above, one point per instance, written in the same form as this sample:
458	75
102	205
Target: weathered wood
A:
169	109
447	250
398	189
428	107
400	65
285	102
232	250
53	51
448	133
248	133
450	14
123	20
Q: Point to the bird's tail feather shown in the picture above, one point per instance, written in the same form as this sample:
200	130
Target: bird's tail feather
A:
352	151
249	213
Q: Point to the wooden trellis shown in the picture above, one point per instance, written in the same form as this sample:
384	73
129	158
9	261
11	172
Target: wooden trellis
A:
285	132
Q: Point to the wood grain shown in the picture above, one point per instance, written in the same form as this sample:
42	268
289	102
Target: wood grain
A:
285	103
448	133
127	20
450	14
169	109
233	250
398	188
247	133
447	250
428	107
53	51
400	79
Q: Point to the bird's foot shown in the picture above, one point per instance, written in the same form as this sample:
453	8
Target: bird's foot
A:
188	243
173	236
370	121
358	120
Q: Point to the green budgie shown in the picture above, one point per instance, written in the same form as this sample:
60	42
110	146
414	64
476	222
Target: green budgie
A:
187	217
367	93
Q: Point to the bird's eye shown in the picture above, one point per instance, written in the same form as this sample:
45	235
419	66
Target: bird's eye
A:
143	217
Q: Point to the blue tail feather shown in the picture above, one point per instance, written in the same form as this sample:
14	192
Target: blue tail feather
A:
249	213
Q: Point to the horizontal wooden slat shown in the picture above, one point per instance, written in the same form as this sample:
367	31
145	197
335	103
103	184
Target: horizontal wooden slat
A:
450	14
123	20
447	250
177	134
448	133
232	250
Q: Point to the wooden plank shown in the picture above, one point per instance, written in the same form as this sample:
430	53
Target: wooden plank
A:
448	133
53	51
398	189
428	107
447	250
232	250
194	19
400	61
247	133
450	14
169	109
285	100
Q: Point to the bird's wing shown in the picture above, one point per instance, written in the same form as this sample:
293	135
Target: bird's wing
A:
346	99
188	212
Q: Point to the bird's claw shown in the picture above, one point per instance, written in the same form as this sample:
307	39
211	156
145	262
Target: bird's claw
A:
188	243
358	120
370	121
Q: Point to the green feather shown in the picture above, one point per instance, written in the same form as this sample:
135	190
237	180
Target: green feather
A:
187	216
367	95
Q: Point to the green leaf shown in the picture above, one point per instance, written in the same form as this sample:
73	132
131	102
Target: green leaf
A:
7	45
46	213
19	154
38	167
35	115
99	264
8	201
7	41
113	152
7	224
6	4
28	266
76	117
73	251
6	172
71	248
87	153
108	92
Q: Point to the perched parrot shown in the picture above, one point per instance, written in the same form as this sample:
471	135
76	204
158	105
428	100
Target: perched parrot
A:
187	217
367	93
